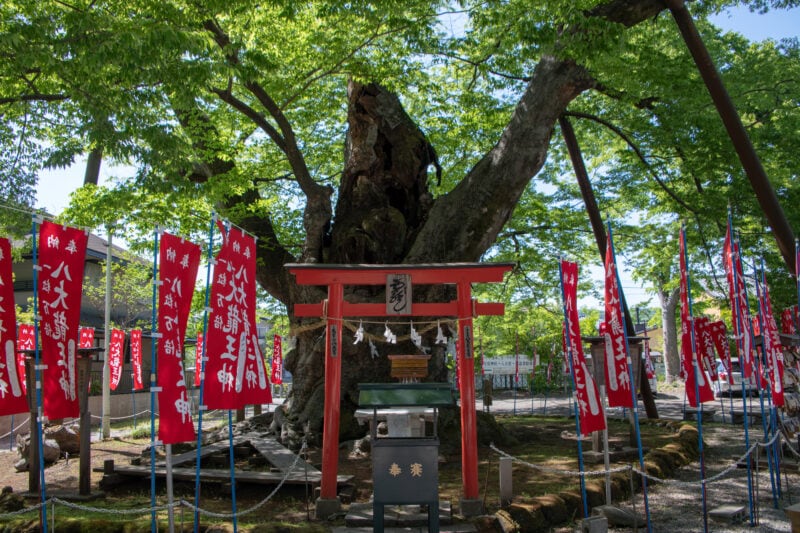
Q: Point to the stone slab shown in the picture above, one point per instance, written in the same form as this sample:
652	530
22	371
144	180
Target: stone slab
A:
404	516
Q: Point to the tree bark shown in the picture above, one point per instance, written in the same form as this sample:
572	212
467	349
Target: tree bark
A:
669	305
382	203
92	174
385	213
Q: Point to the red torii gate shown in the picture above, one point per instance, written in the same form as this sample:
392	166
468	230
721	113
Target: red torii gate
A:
335	277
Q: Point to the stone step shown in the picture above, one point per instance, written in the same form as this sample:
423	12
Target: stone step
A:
403	516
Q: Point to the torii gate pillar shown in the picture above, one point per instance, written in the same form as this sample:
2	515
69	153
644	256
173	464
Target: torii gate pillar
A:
335	277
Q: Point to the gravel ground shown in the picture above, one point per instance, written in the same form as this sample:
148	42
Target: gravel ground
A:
678	507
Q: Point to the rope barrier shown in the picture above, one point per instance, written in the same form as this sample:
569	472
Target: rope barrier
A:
705	481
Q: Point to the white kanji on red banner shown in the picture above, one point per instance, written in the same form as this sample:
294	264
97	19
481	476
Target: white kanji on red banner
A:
115	348
235	371
588	397
86	339
178	263
198	360
705	346
719	335
62	252
617	373
12	383
772	344
277	361
731	258
688	357
136	359
25	342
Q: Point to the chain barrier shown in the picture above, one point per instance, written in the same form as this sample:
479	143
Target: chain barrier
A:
630	468
101	510
175	505
259	504
12	514
140	413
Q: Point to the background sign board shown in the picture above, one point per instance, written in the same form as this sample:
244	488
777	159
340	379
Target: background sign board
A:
506	365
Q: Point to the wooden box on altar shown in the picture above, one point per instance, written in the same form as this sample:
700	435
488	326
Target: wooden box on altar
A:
409	367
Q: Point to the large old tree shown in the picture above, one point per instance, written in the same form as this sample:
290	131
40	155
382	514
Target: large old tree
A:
368	132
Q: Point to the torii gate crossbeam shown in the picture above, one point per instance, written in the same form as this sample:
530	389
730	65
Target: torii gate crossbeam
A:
335	277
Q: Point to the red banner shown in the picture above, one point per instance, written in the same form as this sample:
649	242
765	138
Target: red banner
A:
649	367
235	372
178	263
198	359
694	380
773	352
86	338
618	382
12	384
739	307
62	252
719	335
788	319
277	360
136	358
25	341
115	347
705	346
588	398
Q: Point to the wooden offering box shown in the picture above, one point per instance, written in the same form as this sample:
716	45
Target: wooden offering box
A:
409	367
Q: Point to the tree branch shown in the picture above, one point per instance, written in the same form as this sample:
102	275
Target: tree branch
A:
318	210
33	98
638	153
227	96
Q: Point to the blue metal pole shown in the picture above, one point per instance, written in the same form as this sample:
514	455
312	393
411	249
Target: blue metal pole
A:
233	469
766	425
573	388
201	406
38	381
771	373
153	385
737	316
696	371
635	403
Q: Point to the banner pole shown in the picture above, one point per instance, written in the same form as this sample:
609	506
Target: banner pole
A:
170	490
202	355
231	457
106	403
38	381
634	400
766	425
572	392
738	325
153	385
696	370
772	372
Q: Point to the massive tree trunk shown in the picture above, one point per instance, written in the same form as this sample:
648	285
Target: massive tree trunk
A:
669	304
385	214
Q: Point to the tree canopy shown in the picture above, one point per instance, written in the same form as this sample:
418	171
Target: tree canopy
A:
411	131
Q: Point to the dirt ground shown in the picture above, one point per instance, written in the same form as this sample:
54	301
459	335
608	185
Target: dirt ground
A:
673	507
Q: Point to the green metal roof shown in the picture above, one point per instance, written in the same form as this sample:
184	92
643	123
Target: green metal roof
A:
405	394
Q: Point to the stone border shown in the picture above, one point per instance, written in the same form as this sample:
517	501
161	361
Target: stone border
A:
550	510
